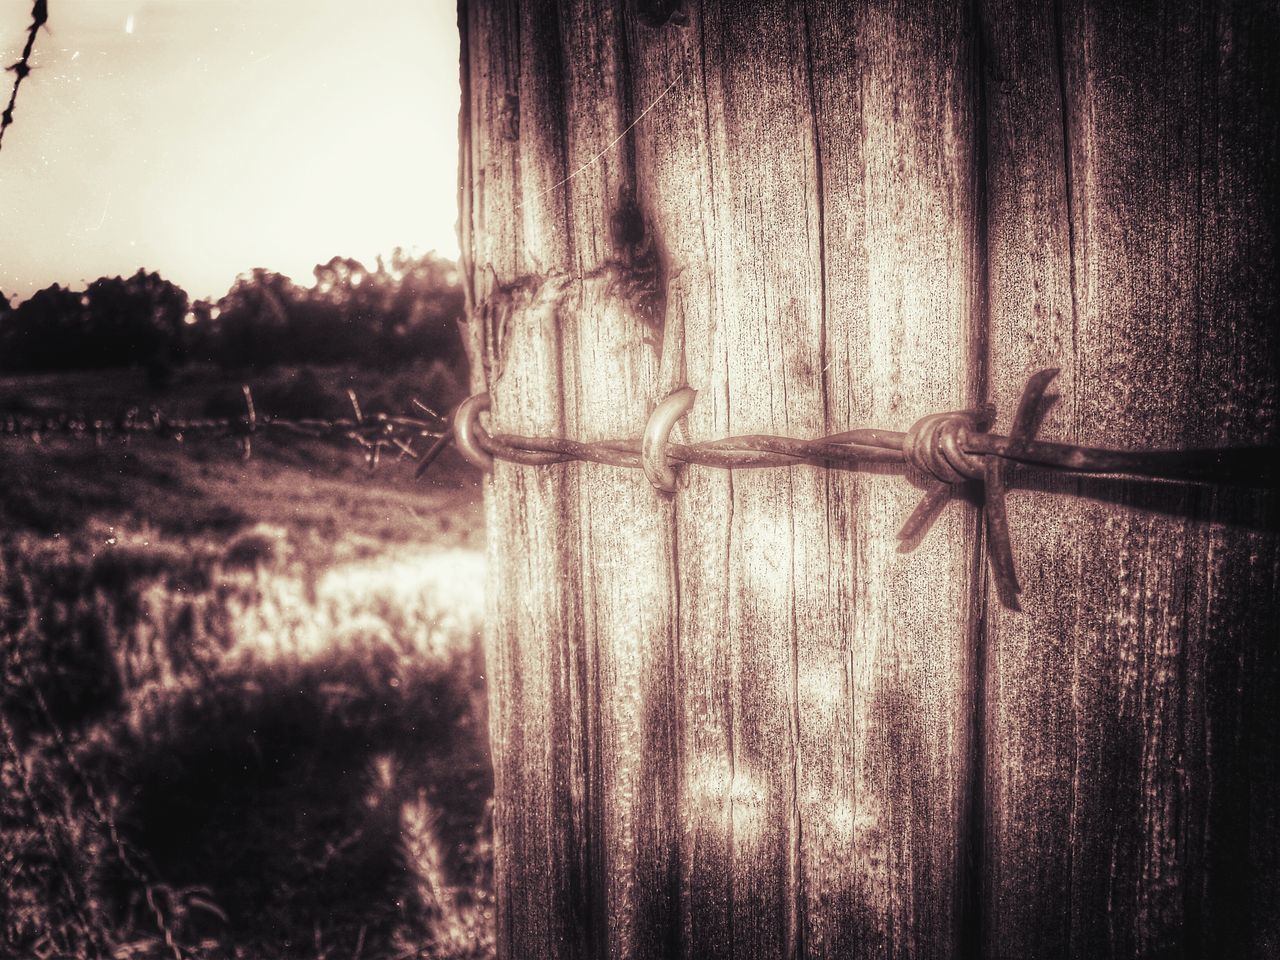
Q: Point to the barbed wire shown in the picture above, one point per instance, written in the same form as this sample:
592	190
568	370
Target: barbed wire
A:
374	434
21	69
950	448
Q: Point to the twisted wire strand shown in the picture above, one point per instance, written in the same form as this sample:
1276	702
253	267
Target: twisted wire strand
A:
951	448
1236	466
21	69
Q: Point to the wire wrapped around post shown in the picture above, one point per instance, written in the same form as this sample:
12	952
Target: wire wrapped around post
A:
952	448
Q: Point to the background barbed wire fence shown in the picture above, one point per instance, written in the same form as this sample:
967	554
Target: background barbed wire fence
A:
374	434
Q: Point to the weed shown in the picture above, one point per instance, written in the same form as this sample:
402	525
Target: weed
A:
258	738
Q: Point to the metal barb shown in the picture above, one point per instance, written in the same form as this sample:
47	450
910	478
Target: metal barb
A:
657	433
999	546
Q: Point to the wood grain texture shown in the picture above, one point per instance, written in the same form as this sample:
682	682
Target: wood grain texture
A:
1130	766
580	662
737	721
730	723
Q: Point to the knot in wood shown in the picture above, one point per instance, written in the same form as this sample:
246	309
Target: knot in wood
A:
936	445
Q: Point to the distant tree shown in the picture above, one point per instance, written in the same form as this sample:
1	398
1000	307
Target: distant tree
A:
348	304
251	326
114	322
402	309
406	306
6	329
428	306
44	330
135	321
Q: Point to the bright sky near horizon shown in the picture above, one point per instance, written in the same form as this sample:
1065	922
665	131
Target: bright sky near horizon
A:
203	138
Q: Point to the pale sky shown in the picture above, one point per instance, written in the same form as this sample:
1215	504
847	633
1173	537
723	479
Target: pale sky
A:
202	138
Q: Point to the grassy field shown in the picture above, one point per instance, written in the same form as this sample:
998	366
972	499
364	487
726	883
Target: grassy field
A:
243	708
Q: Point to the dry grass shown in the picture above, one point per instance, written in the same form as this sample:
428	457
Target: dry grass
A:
244	709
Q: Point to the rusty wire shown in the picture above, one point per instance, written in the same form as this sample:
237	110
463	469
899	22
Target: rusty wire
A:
952	448
21	69
374	433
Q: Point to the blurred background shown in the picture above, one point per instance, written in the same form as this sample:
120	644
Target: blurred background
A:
243	705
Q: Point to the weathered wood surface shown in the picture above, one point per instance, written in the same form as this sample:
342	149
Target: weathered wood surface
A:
1131	776
737	721
817	235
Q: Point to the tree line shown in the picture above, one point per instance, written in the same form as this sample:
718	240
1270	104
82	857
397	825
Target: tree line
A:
404	308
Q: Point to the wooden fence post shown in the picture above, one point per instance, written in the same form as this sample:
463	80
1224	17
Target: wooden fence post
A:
1132	771
738	721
